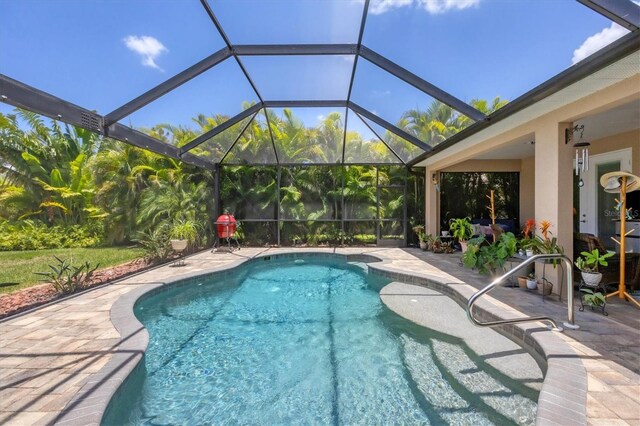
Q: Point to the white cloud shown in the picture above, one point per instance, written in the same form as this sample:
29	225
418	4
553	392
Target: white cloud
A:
598	41
380	93
436	7
320	117
378	7
149	48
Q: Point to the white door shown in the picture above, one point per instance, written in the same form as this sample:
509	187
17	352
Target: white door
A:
597	214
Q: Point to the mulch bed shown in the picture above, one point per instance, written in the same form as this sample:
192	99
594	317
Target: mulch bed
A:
21	300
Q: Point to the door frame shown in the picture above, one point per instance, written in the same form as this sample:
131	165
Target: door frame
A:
588	193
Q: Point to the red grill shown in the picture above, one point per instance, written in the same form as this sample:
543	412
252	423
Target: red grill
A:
226	225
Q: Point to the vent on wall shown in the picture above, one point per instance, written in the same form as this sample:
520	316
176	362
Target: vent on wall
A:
91	122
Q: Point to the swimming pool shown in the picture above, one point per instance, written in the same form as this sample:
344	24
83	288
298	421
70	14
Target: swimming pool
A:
304	341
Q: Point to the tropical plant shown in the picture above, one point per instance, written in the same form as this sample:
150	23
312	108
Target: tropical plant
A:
591	298
186	229
156	244
67	278
419	230
591	260
489	257
461	228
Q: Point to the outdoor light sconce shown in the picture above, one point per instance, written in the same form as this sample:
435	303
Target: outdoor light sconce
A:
582	151
434	180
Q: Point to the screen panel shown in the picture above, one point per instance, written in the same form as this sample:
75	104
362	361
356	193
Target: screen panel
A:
363	146
283	78
198	105
484	49
308	135
102	54
255	145
404	106
289	21
214	148
399	145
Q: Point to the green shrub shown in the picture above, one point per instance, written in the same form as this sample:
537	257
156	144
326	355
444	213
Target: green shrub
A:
35	235
487	258
67	278
156	244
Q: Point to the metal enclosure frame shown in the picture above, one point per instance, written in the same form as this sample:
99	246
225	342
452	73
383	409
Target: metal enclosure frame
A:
13	92
18	94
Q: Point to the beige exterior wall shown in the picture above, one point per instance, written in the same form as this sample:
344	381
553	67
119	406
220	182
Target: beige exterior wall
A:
630	139
527	189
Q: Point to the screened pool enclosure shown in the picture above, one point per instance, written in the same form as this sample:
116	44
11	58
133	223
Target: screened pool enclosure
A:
303	110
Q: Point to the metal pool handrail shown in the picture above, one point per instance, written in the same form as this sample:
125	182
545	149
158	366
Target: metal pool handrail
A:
570	324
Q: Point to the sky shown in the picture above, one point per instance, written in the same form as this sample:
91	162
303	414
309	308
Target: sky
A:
100	54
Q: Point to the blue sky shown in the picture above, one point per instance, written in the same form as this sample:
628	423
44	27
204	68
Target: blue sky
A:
103	53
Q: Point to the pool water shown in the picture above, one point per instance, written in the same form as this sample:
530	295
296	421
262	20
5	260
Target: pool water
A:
304	342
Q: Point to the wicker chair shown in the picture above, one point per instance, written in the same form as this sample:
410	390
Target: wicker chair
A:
610	273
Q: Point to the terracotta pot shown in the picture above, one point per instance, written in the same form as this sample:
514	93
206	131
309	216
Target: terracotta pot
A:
522	282
464	246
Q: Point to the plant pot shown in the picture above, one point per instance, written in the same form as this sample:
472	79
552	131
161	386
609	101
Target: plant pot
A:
445	233
522	282
591	279
545	288
423	245
464	246
529	253
532	284
179	245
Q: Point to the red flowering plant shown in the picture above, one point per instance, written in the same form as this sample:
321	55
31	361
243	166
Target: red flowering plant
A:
529	228
545	243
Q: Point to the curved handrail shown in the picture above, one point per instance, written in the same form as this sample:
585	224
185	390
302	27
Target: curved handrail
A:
529	261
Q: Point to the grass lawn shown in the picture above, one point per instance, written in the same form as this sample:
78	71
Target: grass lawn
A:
17	267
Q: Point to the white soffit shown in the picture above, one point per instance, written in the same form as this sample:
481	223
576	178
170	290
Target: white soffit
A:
621	70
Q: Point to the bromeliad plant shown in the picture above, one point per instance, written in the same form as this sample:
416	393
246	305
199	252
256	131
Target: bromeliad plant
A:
541	244
67	278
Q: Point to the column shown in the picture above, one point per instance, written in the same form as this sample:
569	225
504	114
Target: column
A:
554	190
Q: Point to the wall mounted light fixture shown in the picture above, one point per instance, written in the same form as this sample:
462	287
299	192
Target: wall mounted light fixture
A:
434	180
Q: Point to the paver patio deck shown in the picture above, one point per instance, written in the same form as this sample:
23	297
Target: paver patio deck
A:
52	355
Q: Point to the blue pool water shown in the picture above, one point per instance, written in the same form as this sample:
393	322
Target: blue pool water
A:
305	342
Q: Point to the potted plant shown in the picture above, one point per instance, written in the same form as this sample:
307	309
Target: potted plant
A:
437	245
462	230
588	265
183	233
532	282
522	281
422	237
593	299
